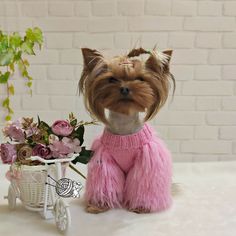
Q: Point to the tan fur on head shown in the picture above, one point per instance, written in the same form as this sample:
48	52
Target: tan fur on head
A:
147	82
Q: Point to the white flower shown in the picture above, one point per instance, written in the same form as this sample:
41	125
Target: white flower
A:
52	138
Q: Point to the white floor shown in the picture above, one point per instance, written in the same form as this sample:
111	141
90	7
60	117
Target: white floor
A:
206	205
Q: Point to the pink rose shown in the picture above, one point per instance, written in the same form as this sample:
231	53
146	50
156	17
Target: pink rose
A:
8	153
14	131
74	144
42	151
60	149
62	127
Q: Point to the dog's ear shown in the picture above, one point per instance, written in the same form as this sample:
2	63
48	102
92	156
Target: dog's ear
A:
159	60
91	58
168	53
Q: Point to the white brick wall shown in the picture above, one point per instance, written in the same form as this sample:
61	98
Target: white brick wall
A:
199	124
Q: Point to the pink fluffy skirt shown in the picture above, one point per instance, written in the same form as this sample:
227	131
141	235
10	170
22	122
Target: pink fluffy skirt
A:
130	171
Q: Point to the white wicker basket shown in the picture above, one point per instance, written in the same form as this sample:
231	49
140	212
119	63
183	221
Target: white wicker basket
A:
30	184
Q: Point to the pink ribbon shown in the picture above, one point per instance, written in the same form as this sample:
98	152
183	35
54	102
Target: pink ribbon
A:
13	175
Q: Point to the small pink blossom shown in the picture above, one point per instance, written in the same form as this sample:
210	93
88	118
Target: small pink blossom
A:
14	131
77	147
62	127
8	153
68	142
74	144
60	149
31	131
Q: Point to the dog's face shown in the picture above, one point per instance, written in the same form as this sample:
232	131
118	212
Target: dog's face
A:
125	84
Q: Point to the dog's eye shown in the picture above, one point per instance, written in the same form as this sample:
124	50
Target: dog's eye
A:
112	80
139	78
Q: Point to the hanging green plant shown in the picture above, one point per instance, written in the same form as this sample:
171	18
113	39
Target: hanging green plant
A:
13	48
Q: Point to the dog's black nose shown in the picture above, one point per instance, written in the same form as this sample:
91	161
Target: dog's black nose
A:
124	91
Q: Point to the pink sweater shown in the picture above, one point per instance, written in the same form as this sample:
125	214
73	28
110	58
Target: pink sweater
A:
131	171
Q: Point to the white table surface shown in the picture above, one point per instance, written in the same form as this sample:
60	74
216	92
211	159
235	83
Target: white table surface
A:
206	205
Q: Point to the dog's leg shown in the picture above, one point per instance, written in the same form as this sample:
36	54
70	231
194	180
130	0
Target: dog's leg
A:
105	183
148	183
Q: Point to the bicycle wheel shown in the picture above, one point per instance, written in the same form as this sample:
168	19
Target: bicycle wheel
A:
62	215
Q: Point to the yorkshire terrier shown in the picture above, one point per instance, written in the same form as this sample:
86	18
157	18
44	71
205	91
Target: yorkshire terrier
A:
131	167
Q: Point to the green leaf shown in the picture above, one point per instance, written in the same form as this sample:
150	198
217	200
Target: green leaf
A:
71	116
43	125
8	117
25	73
3	43
5	102
35	35
29	34
18	55
27	47
79	133
15	40
10	110
4	78
12	67
11	89
21	66
38	35
29	84
26	63
84	156
6	58
22	69
73	122
38	120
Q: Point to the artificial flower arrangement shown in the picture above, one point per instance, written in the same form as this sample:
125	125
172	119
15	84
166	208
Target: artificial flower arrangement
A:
30	181
62	139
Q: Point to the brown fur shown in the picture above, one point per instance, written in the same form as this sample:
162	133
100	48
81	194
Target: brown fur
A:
148	82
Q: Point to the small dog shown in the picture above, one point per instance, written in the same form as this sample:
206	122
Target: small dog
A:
131	167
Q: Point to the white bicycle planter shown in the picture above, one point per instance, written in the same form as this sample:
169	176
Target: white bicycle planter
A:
28	184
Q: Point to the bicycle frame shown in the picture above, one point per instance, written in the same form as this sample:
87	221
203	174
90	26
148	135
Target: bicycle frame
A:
47	213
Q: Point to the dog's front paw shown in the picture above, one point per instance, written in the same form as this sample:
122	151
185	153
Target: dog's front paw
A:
140	210
96	210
